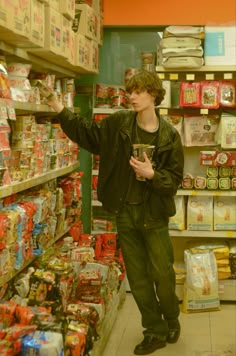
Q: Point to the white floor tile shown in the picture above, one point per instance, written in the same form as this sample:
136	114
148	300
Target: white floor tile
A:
202	334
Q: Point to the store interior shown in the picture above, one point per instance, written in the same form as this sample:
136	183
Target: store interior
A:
63	283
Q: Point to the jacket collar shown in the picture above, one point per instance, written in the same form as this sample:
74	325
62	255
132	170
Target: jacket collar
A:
164	128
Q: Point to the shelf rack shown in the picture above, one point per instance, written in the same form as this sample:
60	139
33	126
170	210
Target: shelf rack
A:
32	182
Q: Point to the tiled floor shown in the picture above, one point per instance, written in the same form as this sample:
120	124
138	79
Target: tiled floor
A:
203	334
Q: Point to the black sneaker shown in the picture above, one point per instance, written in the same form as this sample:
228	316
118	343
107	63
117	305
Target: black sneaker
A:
174	331
148	345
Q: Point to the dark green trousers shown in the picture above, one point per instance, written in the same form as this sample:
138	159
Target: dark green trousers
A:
148	257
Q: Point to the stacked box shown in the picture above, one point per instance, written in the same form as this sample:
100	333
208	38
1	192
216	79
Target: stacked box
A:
85	21
26	27
16	19
82	51
67	39
67	8
220	45
52	35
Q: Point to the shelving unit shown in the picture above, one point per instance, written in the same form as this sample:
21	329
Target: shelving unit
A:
53	63
32	182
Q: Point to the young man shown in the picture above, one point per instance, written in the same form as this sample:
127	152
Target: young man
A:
142	207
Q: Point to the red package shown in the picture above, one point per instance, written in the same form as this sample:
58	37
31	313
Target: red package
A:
190	94
7	313
210	94
228	93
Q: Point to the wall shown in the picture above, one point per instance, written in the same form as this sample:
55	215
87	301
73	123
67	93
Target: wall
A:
165	12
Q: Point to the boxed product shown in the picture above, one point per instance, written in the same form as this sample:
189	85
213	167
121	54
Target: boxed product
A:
200	130
94	55
227	132
53	33
67	33
224	213
200	213
82	51
67	8
220	45
166	102
16	19
177	222
218	158
85	21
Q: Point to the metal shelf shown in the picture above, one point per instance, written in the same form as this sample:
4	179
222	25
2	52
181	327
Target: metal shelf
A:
32	182
201	233
225	68
215	193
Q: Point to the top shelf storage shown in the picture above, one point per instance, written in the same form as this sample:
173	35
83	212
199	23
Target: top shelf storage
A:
56	64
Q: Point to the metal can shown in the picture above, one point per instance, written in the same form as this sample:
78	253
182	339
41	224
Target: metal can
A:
148	61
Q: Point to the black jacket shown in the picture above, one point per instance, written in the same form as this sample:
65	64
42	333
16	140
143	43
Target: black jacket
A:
111	140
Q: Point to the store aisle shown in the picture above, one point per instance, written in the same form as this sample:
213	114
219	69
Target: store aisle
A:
203	334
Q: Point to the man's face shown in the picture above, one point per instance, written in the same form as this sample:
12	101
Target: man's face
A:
141	100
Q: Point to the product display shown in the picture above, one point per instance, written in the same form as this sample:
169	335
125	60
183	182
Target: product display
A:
60	289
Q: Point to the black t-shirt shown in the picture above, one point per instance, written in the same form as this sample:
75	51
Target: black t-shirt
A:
136	187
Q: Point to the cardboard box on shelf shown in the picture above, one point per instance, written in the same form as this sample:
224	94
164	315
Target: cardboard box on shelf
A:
85	21
16	19
54	4
27	28
82	51
220	45
67	39
218	158
52	34
67	8
3	15
94	56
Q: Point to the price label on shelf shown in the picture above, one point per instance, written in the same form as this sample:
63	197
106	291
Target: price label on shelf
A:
230	234
163	111
228	76
174	76
210	76
190	76
204	111
161	76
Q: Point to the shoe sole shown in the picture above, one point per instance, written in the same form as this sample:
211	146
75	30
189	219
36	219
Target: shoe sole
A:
151	350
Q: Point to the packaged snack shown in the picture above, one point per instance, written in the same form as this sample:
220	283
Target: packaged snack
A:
224	213
188	181
212	172
224	183
190	94
199	182
200	130
228	93
224	171
210	94
212	183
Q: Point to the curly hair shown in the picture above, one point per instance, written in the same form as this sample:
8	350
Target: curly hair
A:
149	81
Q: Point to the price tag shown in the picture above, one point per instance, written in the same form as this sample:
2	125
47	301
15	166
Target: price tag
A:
174	76
210	76
161	76
190	76
163	111
230	234
228	75
204	111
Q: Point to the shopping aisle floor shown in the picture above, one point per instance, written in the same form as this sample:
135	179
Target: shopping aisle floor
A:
203	334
